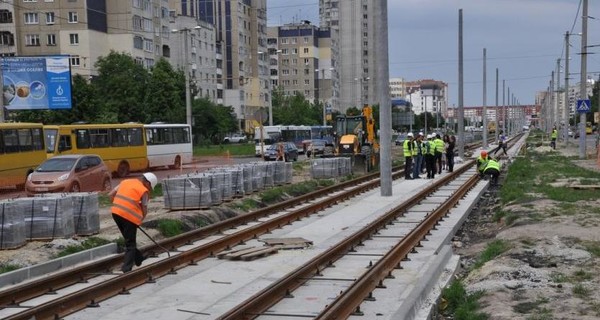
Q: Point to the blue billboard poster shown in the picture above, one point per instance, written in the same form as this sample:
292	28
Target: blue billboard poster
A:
36	82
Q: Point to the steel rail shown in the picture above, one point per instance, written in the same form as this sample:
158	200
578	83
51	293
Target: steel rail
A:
14	296
266	298
349	301
89	297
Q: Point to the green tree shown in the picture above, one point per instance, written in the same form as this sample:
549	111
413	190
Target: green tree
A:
212	121
295	110
121	83
165	94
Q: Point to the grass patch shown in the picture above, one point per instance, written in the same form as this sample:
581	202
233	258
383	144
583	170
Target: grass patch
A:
170	227
592	247
461	305
245	205
272	195
244	149
558	277
325	182
581	275
492	250
89	243
581	291
104	200
541	314
7	267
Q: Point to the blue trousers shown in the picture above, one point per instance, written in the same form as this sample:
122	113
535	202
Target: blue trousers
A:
417	165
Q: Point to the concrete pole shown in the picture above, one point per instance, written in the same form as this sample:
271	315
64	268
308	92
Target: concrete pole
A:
461	114
567	102
188	98
552	102
557	102
484	115
504	107
496	111
583	85
507	112
385	104
1	97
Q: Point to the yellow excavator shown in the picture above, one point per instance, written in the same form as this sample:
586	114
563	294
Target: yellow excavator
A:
356	138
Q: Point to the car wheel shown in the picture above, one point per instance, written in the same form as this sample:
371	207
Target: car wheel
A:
75	187
106	185
226	141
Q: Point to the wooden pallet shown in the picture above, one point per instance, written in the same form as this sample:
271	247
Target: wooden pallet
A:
288	243
247	254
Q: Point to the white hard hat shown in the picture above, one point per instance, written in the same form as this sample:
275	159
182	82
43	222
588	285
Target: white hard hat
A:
421	133
151	177
410	134
429	136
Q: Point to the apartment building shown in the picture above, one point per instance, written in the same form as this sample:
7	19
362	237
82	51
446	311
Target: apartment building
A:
427	95
241	34
397	88
354	50
300	61
8	29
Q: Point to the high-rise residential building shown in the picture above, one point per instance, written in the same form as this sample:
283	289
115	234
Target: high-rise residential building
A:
8	29
300	61
241	32
427	95
397	88
355	50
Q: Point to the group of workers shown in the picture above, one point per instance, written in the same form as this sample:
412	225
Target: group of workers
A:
428	150
431	149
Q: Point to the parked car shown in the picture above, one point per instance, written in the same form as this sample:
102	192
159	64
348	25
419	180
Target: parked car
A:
69	173
316	147
400	139
290	150
235	138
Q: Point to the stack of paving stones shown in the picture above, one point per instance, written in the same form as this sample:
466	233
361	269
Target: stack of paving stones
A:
328	168
86	211
203	190
48	217
12	228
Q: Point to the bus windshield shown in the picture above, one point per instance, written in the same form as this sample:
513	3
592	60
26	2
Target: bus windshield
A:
50	139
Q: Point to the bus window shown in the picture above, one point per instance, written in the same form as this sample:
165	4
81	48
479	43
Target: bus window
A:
99	138
119	137
25	141
38	140
135	137
50	139
11	141
82	140
1	142
64	143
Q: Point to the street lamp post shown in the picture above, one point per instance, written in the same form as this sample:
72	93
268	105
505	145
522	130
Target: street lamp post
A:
186	68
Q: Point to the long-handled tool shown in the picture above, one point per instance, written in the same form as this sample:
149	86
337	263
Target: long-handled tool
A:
156	243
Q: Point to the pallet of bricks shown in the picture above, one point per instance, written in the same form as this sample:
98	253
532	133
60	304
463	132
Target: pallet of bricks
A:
47	217
211	188
328	168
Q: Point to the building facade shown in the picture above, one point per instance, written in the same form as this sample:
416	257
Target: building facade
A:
397	88
354	50
300	61
427	95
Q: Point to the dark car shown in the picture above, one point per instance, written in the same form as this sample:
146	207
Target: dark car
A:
69	173
290	150
316	147
400	139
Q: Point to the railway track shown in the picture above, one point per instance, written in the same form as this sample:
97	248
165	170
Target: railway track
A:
69	291
389	231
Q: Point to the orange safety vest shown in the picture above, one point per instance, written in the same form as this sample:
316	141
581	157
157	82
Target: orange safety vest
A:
127	200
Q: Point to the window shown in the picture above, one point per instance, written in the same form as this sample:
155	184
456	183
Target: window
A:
148	45
138	42
305	39
75	61
29	0
137	23
7	38
6	16
285	72
294	50
306	82
49	17
137	3
31	18
51	40
284	51
294	41
74	38
284	41
32	40
305	50
73	17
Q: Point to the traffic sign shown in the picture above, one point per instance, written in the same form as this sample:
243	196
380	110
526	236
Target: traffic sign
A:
583	106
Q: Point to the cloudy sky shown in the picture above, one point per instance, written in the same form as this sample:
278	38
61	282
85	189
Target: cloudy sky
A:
523	39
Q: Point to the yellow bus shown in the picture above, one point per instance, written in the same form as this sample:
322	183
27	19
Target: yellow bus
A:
588	128
21	151
121	146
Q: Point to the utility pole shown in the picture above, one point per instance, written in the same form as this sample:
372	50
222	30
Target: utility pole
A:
496	116
557	102
385	104
551	109
484	115
567	100
507	114
583	85
504	107
461	114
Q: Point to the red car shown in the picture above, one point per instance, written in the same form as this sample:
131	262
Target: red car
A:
70	173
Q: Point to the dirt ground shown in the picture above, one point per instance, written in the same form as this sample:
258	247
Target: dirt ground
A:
549	271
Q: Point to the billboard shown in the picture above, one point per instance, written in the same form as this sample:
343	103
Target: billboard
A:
42	82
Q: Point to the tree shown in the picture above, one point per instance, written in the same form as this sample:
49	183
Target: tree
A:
165	94
295	110
121	83
212	121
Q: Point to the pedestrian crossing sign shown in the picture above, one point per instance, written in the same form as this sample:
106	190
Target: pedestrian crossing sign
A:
583	106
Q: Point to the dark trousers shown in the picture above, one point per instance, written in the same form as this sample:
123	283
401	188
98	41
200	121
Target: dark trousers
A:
407	167
430	165
438	162
450	160
500	146
494	174
132	254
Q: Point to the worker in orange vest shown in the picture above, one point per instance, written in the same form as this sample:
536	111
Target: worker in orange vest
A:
130	206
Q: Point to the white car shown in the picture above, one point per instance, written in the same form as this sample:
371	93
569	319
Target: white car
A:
235	138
